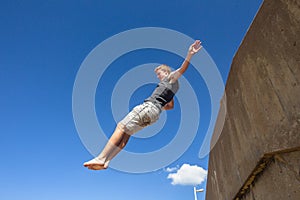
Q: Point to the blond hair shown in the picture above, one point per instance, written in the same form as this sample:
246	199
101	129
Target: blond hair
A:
164	68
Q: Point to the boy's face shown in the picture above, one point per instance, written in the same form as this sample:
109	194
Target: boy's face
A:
161	74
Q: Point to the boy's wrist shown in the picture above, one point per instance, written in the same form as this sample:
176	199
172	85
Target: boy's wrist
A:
189	56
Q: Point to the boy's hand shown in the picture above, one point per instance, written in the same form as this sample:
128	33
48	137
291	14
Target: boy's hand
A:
195	47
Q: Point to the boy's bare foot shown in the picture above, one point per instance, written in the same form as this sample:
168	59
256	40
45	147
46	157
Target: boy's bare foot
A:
94	162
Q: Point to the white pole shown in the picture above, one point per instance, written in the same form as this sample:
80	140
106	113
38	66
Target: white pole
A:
195	193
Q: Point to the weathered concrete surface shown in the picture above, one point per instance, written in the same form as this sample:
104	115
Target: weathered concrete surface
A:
263	109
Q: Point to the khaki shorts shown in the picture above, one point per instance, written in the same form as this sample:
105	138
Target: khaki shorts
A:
141	116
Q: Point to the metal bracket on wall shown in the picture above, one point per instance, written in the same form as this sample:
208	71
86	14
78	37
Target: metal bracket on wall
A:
258	170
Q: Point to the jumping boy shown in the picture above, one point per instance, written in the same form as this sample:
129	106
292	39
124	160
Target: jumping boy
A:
145	114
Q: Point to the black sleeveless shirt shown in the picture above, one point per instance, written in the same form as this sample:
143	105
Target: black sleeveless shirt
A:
163	93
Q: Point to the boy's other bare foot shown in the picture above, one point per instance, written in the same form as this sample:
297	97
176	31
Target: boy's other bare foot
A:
97	167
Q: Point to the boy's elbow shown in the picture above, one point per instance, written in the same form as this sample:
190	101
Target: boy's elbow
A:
169	107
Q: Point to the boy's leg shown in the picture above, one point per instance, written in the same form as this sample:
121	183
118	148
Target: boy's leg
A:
121	146
116	142
133	122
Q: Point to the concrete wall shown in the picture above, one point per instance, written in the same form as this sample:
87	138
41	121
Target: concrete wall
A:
263	112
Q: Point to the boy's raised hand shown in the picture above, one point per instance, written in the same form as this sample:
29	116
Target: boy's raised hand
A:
195	47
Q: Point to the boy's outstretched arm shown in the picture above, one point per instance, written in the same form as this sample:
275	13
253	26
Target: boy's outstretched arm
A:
193	49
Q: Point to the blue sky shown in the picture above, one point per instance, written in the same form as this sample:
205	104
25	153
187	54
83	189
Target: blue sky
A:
43	44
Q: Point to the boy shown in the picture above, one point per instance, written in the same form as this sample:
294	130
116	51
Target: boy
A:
145	114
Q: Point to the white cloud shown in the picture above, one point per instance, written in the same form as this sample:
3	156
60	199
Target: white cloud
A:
188	175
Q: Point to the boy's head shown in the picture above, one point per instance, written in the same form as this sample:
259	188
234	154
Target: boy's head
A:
162	71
